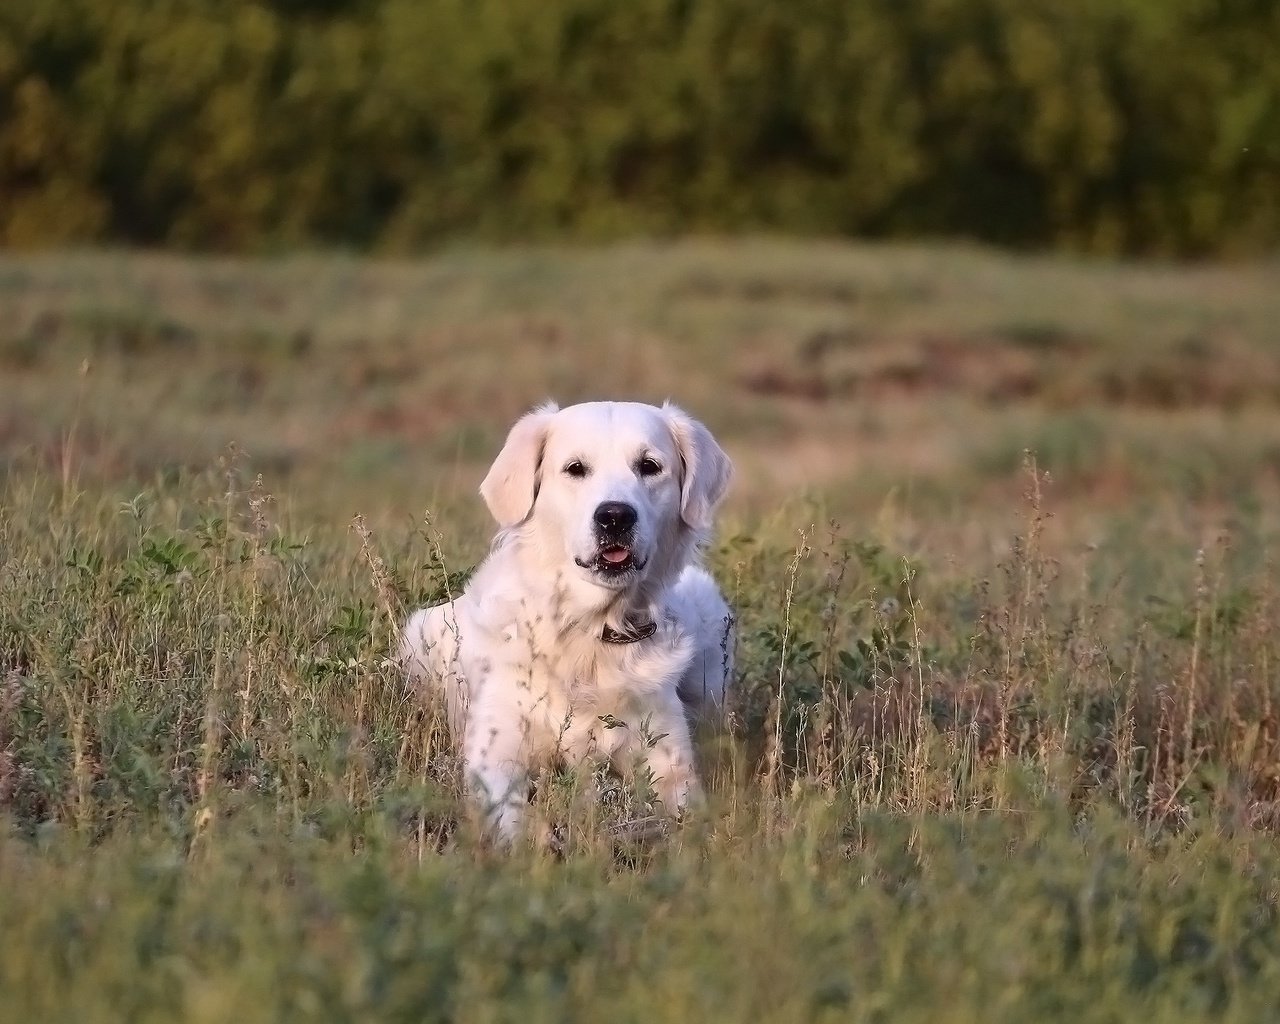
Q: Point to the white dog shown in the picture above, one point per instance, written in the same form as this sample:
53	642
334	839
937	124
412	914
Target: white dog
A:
590	630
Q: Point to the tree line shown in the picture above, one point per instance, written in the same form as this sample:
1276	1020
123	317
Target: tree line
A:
1108	126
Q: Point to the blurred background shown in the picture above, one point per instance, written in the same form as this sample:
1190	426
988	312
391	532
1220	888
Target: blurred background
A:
884	249
1132	126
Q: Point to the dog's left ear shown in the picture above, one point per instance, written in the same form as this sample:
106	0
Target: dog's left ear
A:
706	468
512	481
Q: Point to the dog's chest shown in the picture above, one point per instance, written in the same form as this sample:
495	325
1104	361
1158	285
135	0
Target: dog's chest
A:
597	687
576	696
595	707
597	723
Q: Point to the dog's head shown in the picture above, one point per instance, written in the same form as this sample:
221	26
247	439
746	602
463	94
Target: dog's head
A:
617	492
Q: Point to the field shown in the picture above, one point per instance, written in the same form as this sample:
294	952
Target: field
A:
1001	544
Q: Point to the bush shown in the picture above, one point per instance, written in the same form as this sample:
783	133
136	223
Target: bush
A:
1144	126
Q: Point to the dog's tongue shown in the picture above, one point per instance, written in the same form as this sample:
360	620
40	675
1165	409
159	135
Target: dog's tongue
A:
614	555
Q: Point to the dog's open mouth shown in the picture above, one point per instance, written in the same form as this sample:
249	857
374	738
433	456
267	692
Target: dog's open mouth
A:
613	560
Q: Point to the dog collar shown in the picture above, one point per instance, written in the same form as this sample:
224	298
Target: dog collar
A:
611	636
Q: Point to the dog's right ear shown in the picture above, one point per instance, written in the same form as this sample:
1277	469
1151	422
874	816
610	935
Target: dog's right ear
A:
512	481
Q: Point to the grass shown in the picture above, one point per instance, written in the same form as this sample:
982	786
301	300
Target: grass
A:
1005	746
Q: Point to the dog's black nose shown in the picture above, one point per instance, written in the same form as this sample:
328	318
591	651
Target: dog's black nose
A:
615	517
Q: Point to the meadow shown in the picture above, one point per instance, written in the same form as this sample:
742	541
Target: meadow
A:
1005	745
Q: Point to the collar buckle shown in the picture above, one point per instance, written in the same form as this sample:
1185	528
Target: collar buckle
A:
634	634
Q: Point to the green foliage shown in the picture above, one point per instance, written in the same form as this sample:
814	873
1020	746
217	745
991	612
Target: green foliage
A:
1026	772
1145	125
1037	917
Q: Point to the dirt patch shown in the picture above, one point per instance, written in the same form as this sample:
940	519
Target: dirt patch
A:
1025	364
830	367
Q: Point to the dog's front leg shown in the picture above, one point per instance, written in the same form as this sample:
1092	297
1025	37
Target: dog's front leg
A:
664	747
496	763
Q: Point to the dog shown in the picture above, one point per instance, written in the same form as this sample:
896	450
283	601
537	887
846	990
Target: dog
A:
591	630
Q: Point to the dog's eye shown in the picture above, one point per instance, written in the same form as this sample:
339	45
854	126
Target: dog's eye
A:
648	467
576	468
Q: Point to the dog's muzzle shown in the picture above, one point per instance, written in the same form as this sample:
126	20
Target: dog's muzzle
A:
615	555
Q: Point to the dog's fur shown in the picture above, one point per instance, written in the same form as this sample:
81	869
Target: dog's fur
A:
521	656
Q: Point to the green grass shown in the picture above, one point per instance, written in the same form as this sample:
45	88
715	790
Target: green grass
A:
945	919
1005	743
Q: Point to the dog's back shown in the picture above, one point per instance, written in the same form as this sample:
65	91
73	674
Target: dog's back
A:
695	601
